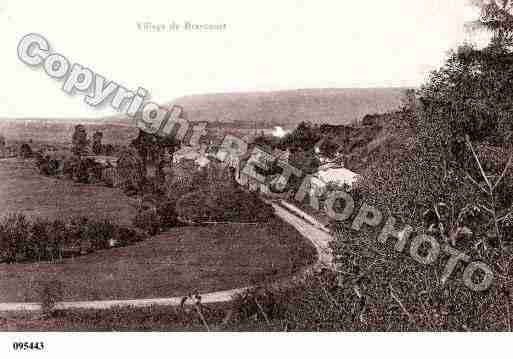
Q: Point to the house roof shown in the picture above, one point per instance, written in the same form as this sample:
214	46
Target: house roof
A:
338	175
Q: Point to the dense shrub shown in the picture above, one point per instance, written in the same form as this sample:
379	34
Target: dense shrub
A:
124	236
148	220
166	211
68	167
82	170
304	137
14	239
99	234
408	179
210	194
387	280
435	172
373	295
261	303
233	205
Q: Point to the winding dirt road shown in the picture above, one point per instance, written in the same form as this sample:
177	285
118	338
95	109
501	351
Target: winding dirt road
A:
304	224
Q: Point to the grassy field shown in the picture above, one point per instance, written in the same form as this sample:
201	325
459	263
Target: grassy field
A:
175	263
23	189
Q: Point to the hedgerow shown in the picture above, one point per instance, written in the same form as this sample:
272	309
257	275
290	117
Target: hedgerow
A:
24	240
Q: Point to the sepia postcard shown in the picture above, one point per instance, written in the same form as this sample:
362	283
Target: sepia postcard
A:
221	168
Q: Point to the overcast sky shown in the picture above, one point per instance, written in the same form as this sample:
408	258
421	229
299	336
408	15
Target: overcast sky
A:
267	45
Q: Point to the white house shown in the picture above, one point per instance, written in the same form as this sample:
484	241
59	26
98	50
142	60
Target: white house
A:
338	175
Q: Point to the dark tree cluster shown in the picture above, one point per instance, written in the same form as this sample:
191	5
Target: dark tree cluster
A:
24	240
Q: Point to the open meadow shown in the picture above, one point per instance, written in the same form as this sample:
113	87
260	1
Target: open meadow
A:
23	189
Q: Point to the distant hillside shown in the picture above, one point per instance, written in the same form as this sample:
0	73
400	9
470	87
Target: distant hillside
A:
268	109
229	111
288	108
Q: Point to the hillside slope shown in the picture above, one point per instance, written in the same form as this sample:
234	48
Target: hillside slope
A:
372	141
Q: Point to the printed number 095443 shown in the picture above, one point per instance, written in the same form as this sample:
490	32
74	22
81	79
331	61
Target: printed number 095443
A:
28	345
